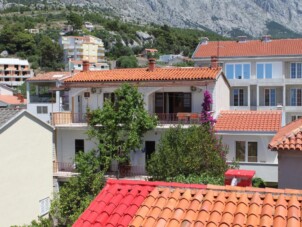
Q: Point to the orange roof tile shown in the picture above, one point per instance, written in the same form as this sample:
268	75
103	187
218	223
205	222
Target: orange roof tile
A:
245	120
143	74
277	47
170	204
12	100
50	76
288	137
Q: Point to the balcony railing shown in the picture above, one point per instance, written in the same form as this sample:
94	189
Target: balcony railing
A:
63	167
59	118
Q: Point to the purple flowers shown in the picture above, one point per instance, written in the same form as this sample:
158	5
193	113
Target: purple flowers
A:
206	114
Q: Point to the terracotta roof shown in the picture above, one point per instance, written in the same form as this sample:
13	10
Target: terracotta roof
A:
50	76
11	100
245	120
277	47
142	74
288	137
141	204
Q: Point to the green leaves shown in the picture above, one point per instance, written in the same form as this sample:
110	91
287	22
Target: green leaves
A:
120	125
186	151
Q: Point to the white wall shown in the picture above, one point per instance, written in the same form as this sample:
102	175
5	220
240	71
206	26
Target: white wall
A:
4	91
265	156
25	171
221	96
290	169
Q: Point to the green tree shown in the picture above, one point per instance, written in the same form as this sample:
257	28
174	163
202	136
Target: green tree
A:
127	62
76	194
120	125
51	54
75	20
187	151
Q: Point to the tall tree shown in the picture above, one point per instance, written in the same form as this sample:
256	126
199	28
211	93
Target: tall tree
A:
75	20
120	124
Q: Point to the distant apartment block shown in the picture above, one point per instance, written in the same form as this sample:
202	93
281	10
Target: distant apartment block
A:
264	74
79	48
13	71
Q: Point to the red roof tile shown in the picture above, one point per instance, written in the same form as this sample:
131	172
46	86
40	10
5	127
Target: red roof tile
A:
143	74
288	137
12	100
174	204
50	76
278	47
245	120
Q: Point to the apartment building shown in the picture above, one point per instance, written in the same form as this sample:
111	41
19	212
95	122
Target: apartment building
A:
264	74
80	48
167	92
14	71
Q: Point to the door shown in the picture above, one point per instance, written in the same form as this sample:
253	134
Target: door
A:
149	148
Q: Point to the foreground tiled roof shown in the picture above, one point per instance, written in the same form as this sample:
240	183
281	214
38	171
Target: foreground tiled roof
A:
140	203
143	74
12	100
245	120
288	137
7	114
50	76
278	47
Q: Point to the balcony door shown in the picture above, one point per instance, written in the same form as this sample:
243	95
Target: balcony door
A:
173	102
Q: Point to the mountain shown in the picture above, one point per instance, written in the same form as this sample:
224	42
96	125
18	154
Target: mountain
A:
279	18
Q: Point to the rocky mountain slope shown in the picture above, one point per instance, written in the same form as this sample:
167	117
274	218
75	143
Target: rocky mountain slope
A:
280	18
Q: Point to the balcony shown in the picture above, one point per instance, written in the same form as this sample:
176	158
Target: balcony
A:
65	118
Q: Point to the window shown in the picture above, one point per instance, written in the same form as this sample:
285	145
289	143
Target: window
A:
79	146
296	117
42	110
296	97
296	70
238	71
270	97
246	151
109	96
44	206
264	70
238	97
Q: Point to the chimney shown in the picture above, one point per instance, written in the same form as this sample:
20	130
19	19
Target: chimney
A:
266	38
152	62
214	62
204	41
241	39
85	66
21	99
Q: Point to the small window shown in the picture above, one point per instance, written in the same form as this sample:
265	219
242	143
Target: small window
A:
79	146
246	151
42	110
240	151
44	206
296	117
109	96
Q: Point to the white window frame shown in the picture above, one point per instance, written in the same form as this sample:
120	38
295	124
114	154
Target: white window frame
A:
296	97
295	117
242	70
246	151
264	70
296	70
238	89
270	101
44	206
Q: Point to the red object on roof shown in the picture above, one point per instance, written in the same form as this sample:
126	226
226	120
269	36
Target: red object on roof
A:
246	120
239	173
250	48
288	137
141	203
143	74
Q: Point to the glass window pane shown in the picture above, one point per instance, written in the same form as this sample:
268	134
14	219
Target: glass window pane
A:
299	70
236	97
273	97
246	71
240	151
292	97
266	97
260	69
230	71
241	93
238	71
268	71
293	70
252	152
299	97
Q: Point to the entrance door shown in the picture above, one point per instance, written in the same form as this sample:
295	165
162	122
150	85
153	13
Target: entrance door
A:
150	148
